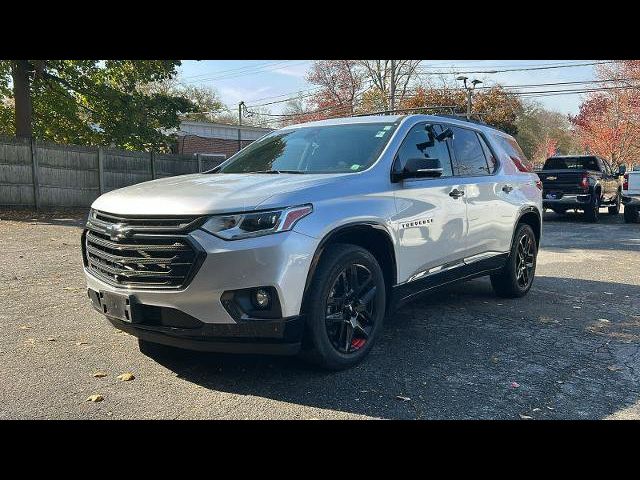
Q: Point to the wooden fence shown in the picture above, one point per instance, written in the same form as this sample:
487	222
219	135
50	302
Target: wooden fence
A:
48	175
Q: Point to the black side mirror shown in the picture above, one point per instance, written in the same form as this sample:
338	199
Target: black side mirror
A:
622	169
419	168
448	133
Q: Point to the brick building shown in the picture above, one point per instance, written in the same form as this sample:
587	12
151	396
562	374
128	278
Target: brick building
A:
215	139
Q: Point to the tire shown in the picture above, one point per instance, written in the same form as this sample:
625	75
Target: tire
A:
615	210
592	212
338	333
559	211
508	282
631	214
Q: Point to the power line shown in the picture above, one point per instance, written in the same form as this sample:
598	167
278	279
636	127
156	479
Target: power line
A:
245	67
515	69
245	73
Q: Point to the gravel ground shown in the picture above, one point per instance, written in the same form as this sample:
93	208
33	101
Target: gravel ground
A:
570	349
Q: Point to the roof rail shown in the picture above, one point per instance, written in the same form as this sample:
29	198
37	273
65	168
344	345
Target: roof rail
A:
451	108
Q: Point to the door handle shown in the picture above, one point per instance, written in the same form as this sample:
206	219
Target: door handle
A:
455	193
507	189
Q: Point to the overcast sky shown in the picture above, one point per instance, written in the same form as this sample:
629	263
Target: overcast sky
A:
255	80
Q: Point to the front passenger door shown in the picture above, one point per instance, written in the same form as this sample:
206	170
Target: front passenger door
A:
430	223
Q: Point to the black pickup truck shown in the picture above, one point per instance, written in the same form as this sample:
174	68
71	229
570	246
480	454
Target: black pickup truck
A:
581	182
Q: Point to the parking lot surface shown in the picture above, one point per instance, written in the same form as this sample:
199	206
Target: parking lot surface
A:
568	350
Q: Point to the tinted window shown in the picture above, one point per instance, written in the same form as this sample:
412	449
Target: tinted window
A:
421	143
491	160
571	163
469	155
515	153
324	149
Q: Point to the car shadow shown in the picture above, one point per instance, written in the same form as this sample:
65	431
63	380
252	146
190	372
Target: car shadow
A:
461	353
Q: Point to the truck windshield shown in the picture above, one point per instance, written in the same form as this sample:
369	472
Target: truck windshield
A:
571	163
322	149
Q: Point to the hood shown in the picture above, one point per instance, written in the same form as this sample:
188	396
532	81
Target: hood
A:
199	193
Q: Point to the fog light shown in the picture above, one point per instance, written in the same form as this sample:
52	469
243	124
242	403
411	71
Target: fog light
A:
261	298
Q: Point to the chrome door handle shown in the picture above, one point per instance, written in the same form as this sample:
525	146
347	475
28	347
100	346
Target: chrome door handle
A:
455	193
507	188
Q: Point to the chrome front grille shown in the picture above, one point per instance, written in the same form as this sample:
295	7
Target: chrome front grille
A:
139	252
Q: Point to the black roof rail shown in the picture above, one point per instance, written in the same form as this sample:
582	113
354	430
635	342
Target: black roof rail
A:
451	108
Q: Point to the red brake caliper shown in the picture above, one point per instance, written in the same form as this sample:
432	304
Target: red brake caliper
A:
357	343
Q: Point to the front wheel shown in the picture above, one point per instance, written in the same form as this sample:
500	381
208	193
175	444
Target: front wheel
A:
344	308
631	214
516	277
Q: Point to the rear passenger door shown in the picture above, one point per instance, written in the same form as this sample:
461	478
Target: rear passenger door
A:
490	213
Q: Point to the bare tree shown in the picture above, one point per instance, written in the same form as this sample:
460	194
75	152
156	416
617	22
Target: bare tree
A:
391	77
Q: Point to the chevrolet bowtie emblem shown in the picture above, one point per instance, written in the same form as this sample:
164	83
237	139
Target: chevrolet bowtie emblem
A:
118	231
552	178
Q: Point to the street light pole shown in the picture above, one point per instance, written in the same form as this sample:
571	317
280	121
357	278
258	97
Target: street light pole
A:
469	92
240	105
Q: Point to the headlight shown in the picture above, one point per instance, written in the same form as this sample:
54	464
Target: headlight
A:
245	225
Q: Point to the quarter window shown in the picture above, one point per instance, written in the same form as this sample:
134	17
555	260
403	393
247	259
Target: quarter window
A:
491	160
469	154
420	142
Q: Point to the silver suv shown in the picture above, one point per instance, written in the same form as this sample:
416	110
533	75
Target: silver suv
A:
305	240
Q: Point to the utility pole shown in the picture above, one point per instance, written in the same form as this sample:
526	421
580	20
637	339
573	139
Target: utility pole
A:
240	105
469	92
392	86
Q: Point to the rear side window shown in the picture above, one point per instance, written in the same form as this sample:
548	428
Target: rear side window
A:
515	153
470	156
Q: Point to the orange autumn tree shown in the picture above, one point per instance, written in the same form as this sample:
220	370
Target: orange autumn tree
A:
608	123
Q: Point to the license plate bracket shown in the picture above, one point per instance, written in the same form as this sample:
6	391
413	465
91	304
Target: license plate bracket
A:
117	306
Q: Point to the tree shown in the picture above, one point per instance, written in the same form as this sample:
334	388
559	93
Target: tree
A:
390	79
340	82
90	102
496	106
542	133
608	123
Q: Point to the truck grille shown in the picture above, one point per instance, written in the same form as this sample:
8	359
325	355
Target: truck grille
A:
136	252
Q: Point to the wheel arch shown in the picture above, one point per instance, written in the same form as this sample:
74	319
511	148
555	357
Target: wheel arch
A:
531	216
373	237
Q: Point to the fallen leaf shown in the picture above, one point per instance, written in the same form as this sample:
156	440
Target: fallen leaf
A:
31	341
604	320
82	343
95	398
51	339
614	368
577	307
126	377
608	293
525	417
536	409
515	384
550	408
109	414
404	399
495	359
24	327
100	374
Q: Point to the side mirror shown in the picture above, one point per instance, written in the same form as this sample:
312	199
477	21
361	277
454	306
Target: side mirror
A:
622	169
419	168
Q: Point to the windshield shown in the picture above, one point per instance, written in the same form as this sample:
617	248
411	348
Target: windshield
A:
571	163
323	149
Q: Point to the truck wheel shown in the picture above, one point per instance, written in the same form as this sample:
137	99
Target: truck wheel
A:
344	308
631	214
592	212
615	210
516	277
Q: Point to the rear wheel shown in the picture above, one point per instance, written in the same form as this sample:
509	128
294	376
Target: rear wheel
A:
615	210
592	211
516	277
631	214
345	307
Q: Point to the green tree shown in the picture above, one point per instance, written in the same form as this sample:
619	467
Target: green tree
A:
90	102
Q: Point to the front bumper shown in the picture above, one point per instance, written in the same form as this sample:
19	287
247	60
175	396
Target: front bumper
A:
281	261
568	201
630	200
